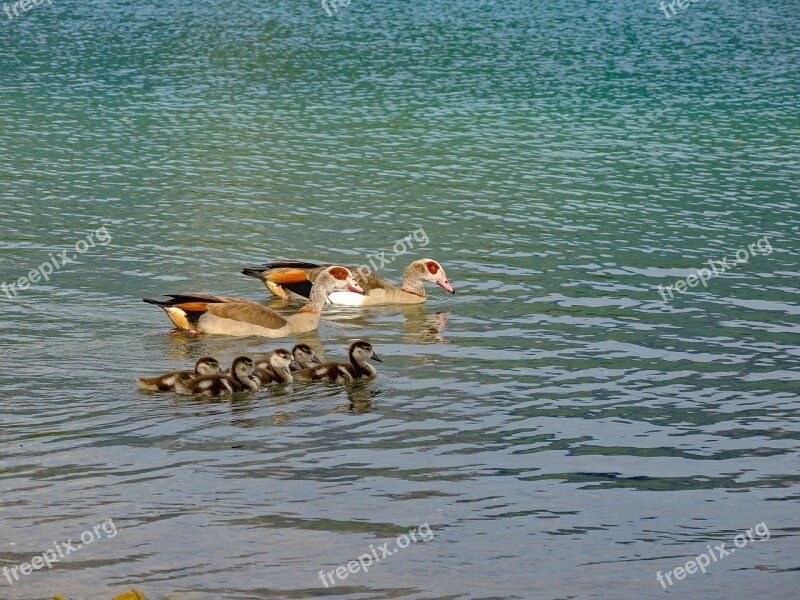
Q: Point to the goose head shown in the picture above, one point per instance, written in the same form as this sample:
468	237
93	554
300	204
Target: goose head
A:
242	371
430	270
360	351
337	278
207	365
304	356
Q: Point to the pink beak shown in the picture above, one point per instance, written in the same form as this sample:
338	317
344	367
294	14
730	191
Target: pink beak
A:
445	284
352	286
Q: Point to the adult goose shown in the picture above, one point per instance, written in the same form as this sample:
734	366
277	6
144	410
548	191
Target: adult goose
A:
206	313
286	276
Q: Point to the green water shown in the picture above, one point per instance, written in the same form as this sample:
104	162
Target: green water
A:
564	431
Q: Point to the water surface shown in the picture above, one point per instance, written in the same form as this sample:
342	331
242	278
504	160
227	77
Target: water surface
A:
564	431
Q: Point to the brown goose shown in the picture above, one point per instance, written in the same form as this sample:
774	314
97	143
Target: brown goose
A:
207	313
283	277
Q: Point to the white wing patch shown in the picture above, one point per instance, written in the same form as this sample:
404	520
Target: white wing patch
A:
345	298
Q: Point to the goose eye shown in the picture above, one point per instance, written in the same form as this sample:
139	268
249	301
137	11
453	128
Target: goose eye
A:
432	267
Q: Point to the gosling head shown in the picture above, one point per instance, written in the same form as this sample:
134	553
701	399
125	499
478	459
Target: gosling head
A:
304	356
361	351
282	360
430	270
242	368
206	365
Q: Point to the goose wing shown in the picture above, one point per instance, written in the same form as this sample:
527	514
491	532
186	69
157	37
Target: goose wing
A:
248	312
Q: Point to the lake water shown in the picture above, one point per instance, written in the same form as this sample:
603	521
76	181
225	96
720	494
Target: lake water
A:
562	430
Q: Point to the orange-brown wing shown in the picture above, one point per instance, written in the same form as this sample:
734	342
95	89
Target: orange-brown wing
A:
247	312
310	274
285	271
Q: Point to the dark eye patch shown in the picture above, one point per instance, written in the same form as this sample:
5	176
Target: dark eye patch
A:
339	273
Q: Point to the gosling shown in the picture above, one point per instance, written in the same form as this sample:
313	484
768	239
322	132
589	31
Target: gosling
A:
167	382
334	372
239	378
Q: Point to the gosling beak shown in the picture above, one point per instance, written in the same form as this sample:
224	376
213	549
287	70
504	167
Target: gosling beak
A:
352	286
294	366
316	360
376	357
445	284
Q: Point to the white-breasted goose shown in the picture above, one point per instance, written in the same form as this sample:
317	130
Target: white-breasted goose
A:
285	277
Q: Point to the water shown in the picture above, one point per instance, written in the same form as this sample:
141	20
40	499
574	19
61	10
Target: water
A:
564	431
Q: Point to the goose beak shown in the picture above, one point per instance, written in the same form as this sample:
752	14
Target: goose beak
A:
376	357
445	284
352	286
